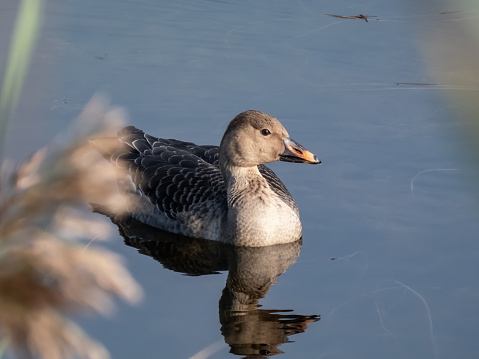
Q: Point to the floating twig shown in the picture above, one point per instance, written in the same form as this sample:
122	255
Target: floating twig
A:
416	84
358	17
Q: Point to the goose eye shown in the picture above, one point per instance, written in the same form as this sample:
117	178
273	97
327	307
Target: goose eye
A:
265	132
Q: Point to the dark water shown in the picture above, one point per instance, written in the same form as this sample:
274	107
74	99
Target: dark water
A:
390	220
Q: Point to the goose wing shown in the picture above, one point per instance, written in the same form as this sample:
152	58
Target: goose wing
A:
174	175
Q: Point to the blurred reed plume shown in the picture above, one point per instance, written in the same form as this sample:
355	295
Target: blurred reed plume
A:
47	272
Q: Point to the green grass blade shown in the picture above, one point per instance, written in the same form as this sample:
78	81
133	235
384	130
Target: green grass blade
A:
25	34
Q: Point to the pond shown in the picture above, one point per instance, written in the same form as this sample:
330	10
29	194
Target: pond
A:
388	262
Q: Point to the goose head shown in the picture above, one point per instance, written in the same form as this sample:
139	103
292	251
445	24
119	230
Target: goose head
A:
253	138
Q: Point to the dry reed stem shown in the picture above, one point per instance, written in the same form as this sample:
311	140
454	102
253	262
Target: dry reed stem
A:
46	271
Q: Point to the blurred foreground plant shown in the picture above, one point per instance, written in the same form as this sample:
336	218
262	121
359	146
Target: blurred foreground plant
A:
46	271
27	28
452	55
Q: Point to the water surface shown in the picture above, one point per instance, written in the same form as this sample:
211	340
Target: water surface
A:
390	219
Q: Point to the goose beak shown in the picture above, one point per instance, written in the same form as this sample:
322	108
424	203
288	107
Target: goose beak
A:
294	152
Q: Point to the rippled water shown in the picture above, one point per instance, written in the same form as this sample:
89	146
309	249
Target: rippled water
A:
390	220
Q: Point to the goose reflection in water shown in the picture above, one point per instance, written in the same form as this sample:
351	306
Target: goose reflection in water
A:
248	330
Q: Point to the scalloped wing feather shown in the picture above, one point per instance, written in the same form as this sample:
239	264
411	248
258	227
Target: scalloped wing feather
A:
174	175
